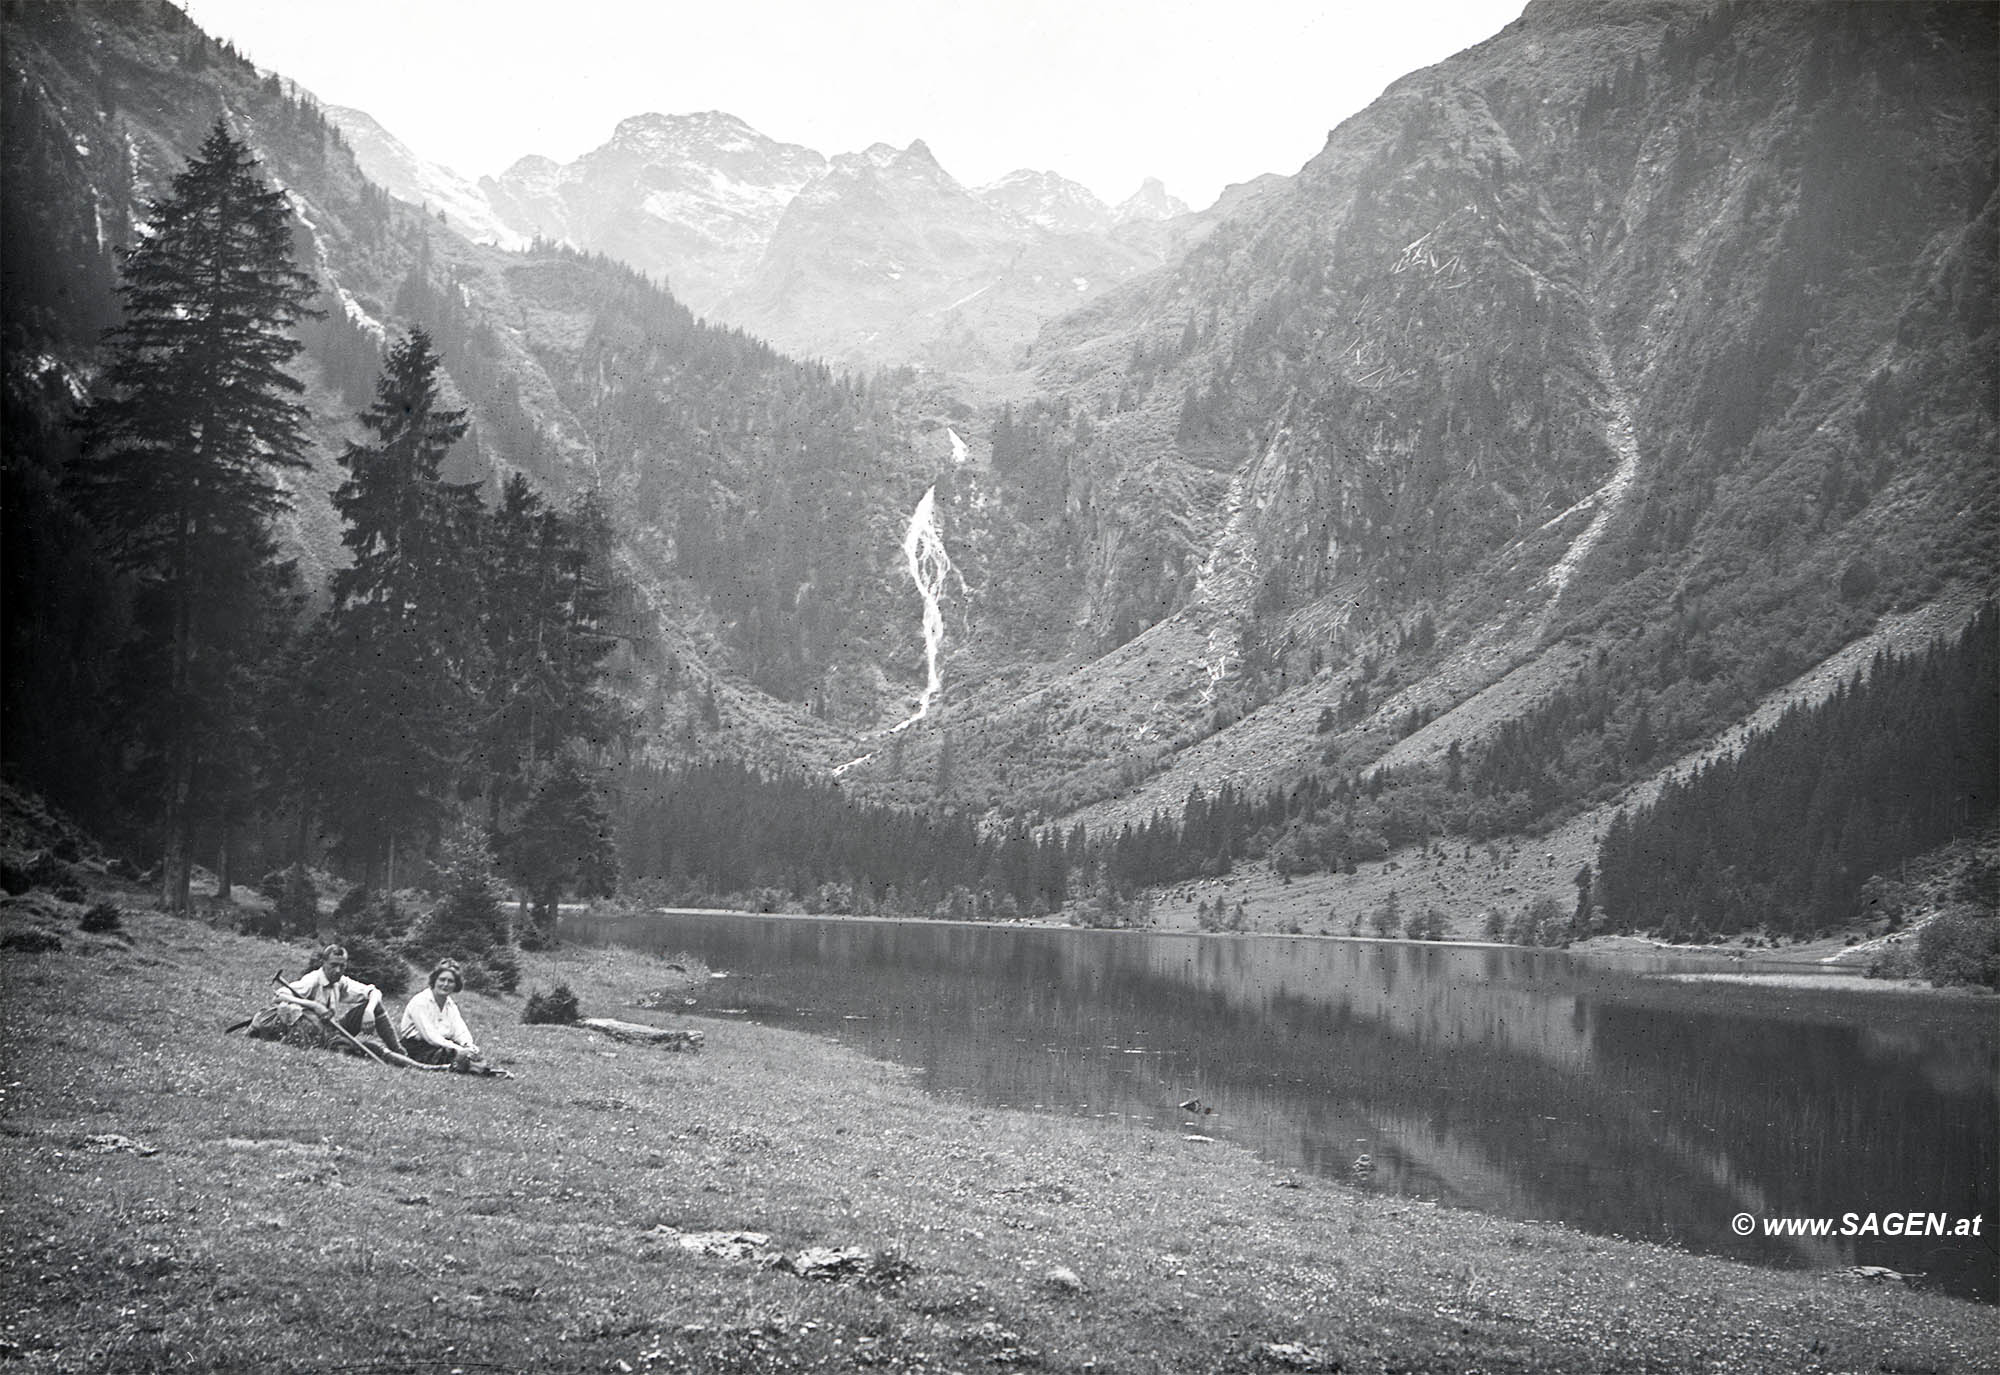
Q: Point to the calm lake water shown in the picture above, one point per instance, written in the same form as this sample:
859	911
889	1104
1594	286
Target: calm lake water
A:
1531	1084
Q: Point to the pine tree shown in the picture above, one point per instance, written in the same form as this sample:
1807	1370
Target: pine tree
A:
398	657
564	842
545	606
470	923
179	472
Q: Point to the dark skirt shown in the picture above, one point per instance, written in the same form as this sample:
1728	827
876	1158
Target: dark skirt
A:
424	1053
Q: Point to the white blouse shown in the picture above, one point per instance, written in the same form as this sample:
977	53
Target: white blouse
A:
441	1026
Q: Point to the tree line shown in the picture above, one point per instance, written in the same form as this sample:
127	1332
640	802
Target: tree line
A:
725	834
450	671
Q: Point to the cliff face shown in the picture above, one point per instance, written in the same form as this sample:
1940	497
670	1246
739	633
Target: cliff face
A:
1433	343
1658	329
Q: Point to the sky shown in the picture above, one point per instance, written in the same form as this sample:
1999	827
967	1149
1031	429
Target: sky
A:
1199	93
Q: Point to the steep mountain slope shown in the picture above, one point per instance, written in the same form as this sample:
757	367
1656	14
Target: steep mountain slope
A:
1643	353
761	498
392	165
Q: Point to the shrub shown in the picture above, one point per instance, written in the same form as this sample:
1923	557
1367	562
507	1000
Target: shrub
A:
1541	922
1894	962
497	971
32	941
350	906
372	914
557	1006
1960	947
102	918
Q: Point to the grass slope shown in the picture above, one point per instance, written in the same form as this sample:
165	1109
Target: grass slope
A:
175	1199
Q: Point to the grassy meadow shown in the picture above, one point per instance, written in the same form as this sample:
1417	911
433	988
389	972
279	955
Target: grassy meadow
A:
174	1198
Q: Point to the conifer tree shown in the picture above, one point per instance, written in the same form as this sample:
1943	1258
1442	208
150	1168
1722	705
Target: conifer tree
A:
545	606
563	843
469	923
398	656
192	422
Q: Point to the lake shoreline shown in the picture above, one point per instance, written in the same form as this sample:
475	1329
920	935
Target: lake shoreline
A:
1812	965
181	1200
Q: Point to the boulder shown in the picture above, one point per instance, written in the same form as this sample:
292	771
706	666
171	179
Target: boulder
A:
637	1033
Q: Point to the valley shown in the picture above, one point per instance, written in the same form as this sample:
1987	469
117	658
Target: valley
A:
1521	394
1349	778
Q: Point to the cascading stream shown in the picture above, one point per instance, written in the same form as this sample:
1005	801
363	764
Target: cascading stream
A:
929	565
924	555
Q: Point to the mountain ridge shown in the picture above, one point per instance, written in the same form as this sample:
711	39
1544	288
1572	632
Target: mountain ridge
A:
697	201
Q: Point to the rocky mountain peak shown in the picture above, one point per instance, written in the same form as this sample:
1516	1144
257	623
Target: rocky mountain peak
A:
696	146
710	138
530	168
689	199
1150	202
1053	202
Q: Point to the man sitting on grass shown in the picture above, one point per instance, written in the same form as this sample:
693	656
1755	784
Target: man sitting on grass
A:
326	996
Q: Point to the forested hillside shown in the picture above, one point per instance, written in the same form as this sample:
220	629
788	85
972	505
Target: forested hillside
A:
1786	835
741	508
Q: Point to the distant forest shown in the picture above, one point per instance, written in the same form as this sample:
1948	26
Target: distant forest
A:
1784	835
722	833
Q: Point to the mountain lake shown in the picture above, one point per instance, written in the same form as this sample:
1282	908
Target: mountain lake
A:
1631	1096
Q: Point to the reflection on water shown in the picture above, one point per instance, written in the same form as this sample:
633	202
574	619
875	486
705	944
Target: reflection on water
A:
1524	1083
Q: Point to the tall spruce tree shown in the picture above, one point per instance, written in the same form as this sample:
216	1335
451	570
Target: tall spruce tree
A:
398	657
194	416
545	607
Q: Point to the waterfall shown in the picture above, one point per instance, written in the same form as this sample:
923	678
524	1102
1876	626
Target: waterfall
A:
930	565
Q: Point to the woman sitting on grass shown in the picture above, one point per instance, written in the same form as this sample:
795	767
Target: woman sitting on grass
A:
434	1031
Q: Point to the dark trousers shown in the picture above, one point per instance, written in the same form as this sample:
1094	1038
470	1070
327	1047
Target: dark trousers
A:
353	1023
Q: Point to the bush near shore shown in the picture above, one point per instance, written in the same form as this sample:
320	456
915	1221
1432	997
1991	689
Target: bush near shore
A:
177	1199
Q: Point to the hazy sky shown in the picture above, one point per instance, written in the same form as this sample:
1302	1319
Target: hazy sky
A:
1199	93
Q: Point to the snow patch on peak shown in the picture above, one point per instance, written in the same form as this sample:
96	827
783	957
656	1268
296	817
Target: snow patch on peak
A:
1049	200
